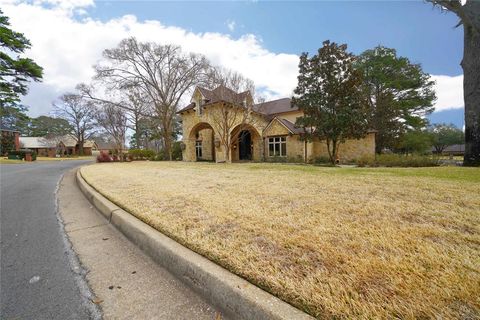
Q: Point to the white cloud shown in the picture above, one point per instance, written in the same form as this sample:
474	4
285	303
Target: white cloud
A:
449	92
67	42
68	47
231	25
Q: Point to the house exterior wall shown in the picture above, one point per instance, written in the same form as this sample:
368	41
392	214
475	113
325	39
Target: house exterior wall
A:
45	152
291	115
351	149
206	137
297	150
191	121
87	151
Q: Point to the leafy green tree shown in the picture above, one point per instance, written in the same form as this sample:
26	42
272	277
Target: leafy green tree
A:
14	116
399	94
7	143
47	126
444	135
329	92
469	12
416	141
15	71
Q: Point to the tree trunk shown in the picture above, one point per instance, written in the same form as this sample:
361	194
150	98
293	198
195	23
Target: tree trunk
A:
334	151
80	148
167	143
471	88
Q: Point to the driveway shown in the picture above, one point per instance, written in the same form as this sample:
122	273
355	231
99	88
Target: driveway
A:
37	281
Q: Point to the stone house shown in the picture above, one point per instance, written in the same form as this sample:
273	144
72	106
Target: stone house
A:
268	134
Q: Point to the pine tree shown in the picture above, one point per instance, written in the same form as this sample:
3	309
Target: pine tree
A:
399	95
15	72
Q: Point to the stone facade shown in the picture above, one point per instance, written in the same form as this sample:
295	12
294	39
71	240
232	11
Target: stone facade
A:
201	130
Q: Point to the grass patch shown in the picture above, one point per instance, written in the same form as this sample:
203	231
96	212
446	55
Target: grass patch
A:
65	158
10	161
335	242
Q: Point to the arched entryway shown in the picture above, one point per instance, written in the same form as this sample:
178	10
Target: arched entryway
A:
201	143
246	143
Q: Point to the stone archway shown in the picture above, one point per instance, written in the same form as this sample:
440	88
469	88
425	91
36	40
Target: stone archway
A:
246	143
200	145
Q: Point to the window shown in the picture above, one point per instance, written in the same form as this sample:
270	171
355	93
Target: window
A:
198	149
277	147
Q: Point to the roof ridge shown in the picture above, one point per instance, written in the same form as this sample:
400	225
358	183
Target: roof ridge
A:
274	100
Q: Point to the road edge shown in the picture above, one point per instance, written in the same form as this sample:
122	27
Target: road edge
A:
86	293
236	297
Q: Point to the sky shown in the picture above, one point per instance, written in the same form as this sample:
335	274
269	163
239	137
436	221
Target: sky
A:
260	39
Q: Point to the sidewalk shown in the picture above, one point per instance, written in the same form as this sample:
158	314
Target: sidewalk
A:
127	283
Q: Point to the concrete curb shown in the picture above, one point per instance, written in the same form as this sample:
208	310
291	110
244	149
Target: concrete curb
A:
236	297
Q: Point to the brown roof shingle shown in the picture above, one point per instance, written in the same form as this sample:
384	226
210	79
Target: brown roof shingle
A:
275	106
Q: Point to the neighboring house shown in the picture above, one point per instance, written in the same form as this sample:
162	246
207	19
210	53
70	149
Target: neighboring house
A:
68	145
270	135
454	150
50	147
43	147
9	137
103	146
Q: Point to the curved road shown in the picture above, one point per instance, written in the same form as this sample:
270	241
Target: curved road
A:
37	281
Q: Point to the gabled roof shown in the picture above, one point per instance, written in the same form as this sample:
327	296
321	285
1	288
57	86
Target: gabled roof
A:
275	106
71	141
220	93
287	124
105	145
290	126
454	148
42	142
36	142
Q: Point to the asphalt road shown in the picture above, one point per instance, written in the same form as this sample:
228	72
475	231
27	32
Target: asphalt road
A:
37	281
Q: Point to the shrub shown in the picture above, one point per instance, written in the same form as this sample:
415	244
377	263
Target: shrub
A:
322	160
140	154
276	159
20	154
177	151
104	157
160	156
397	160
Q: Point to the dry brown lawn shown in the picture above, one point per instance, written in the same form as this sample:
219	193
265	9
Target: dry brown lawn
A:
335	242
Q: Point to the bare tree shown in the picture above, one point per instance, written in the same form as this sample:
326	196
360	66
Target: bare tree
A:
236	110
79	113
137	106
163	73
140	118
469	14
113	121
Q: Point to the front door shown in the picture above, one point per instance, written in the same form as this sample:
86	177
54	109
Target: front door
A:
244	145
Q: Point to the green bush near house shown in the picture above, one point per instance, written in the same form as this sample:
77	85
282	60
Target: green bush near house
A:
20	154
177	151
